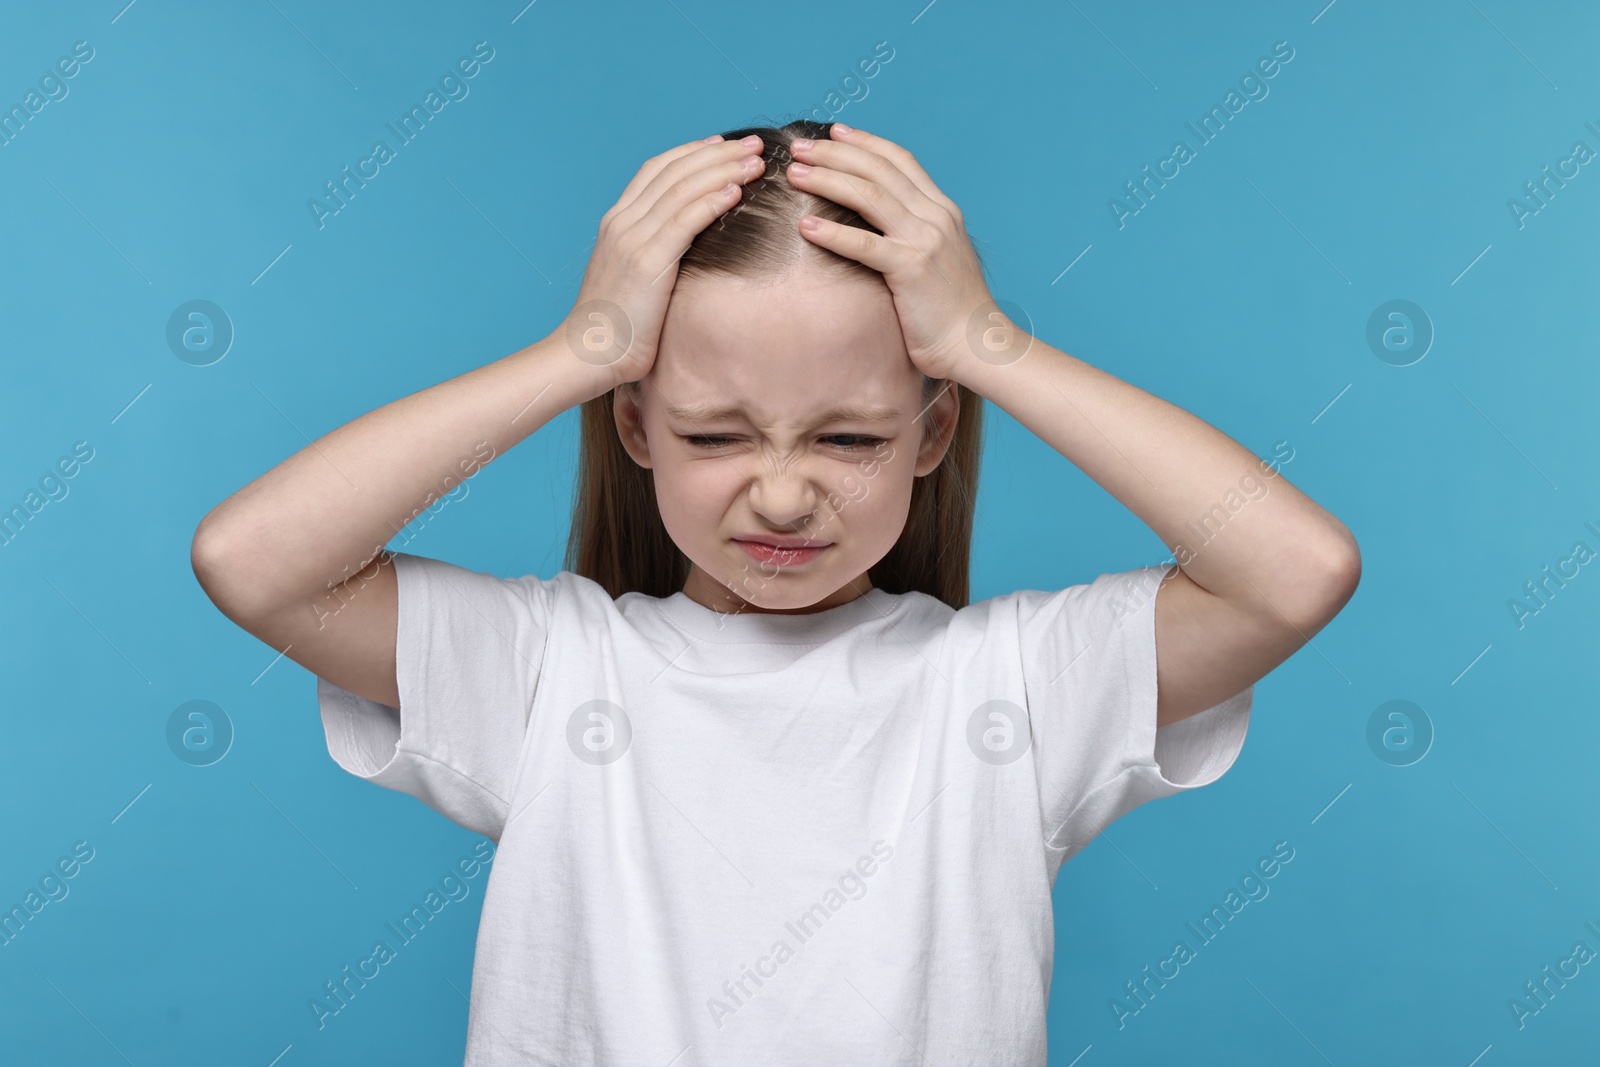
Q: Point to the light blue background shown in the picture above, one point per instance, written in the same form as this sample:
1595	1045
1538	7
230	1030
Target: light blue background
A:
1378	168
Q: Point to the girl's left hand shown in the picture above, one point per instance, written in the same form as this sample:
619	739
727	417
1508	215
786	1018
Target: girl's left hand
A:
924	254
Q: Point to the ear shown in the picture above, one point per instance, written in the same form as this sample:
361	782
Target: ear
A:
630	422
939	428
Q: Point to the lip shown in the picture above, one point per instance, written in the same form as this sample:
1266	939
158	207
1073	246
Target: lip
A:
783	551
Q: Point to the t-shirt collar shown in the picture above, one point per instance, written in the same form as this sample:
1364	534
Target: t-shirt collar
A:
747	627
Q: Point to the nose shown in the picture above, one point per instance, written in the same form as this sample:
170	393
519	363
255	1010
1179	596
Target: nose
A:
783	494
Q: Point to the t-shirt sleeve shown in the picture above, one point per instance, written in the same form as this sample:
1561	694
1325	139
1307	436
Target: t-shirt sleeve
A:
468	651
1089	670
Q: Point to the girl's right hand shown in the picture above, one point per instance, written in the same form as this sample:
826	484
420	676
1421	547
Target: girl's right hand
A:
622	302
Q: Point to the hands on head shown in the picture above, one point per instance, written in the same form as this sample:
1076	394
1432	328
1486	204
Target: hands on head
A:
634	265
799	335
921	248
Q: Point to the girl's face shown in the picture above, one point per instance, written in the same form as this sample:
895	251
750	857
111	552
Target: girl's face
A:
788	412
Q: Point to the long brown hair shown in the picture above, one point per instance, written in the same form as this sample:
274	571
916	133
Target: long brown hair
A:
618	538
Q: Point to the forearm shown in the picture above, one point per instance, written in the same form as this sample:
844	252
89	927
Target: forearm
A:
1235	526
324	513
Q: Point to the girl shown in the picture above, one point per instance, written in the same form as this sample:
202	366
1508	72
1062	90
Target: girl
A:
766	788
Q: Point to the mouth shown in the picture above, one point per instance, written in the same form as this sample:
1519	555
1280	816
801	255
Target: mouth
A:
785	552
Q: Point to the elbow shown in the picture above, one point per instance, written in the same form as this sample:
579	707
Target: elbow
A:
210	559
1339	573
205	557
1344	564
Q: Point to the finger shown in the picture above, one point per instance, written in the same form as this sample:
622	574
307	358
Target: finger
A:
913	235
878	205
652	166
879	253
684	211
870	166
901	157
712	156
665	214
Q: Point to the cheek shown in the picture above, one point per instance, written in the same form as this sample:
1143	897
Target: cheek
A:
874	496
692	495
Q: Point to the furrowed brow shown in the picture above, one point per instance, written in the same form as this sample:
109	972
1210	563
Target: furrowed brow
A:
713	413
704	412
869	413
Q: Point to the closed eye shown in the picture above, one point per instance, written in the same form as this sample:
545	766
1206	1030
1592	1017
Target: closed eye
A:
860	440
846	441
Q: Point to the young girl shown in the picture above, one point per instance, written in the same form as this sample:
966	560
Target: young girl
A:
766	788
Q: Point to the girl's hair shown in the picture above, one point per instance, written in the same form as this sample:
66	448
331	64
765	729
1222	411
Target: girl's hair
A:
618	539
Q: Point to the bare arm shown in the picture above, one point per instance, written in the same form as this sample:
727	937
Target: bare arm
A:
1275	567
296	557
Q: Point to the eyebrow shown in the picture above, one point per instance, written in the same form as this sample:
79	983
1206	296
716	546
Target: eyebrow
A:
713	413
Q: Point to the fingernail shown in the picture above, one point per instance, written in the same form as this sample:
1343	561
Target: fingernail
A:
801	143
810	222
842	126
751	142
799	170
713	139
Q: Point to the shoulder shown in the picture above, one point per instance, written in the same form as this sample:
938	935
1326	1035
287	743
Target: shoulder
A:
1100	620
1106	600
920	617
438	582
1112	599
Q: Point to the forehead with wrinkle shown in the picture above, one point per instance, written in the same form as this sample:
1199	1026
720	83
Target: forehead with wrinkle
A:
786	350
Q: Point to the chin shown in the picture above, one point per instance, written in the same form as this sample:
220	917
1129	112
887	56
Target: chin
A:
781	592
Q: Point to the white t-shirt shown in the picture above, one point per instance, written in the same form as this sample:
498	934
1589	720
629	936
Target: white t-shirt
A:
771	839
